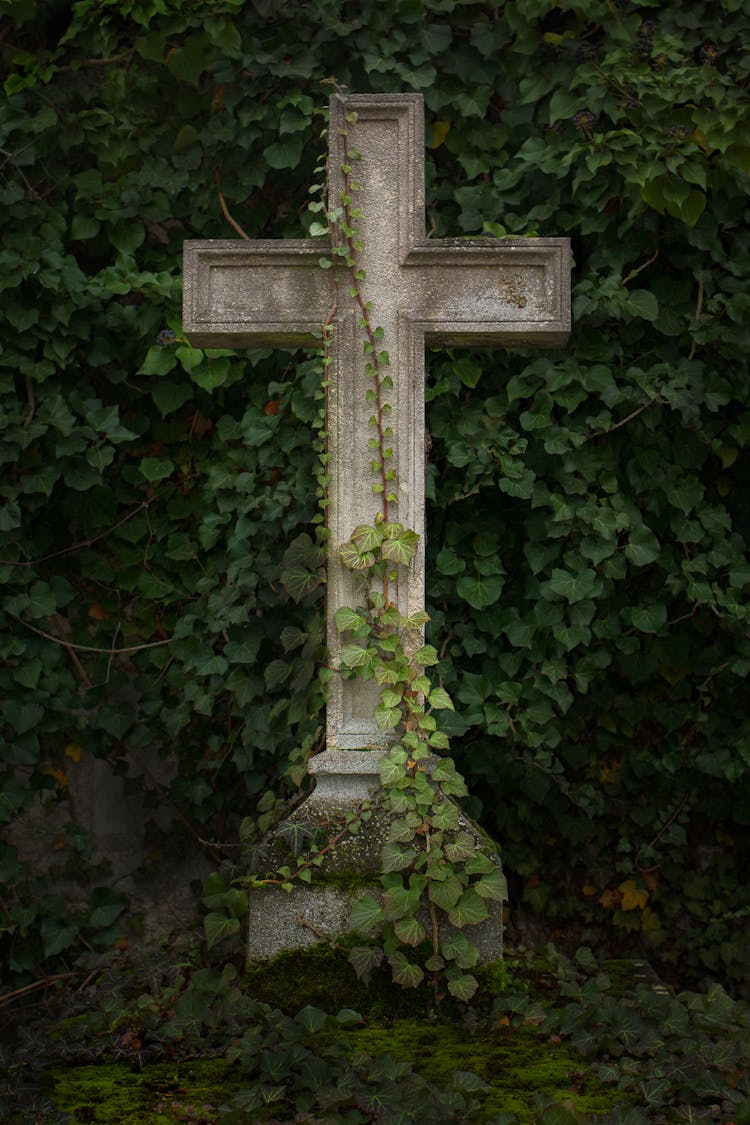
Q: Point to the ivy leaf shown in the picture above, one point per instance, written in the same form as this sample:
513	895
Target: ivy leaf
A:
643	546
312	1019
456	947
479	590
155	468
446	816
390	771
642	303
367	914
367	538
354	559
364	959
58	934
440	700
22	716
292	637
409	931
276	673
301	572
387	673
158	361
284	153
649	619
347	1017
493	886
401	550
347	618
463	988
395	858
218	927
573	587
469	910
480	864
398	902
464	1079
449	563
390	698
355	656
446	894
387	718
405	973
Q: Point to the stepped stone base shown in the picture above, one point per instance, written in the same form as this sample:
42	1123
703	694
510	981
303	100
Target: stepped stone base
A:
320	911
281	921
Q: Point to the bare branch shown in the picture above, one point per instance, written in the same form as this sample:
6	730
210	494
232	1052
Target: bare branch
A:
225	210
89	648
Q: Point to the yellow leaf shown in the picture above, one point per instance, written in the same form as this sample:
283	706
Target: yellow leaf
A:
73	751
438	132
650	920
700	139
60	777
674	675
589	889
633	896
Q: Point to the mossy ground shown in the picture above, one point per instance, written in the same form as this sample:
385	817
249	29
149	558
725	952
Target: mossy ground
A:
158	1094
516	1062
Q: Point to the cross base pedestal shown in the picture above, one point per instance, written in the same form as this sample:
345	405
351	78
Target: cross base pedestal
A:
320	911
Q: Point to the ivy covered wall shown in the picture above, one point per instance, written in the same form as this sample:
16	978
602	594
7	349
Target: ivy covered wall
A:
588	526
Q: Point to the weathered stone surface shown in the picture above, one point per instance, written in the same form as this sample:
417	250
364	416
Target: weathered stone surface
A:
447	292
279	921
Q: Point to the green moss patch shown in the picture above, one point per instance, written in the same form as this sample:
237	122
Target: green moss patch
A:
516	1063
160	1093
322	977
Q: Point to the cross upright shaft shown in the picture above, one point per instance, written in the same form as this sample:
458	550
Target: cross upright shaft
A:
448	292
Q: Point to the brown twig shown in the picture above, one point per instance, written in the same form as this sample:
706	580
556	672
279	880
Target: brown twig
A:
11	156
318	933
9	997
685	616
431	907
31	401
624	421
83	543
83	674
89	648
225	209
662	830
698	311
645	265
97	62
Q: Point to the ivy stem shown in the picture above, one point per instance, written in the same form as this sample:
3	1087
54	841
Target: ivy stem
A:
430	904
348	229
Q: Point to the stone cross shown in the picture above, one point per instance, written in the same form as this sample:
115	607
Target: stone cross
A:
452	292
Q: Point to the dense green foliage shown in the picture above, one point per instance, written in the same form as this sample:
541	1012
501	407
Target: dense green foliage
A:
588	531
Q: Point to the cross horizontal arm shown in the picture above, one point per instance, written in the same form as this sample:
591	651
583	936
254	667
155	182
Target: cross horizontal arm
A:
254	294
500	292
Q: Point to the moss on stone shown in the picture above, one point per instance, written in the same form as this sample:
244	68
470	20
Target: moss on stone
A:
322	977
